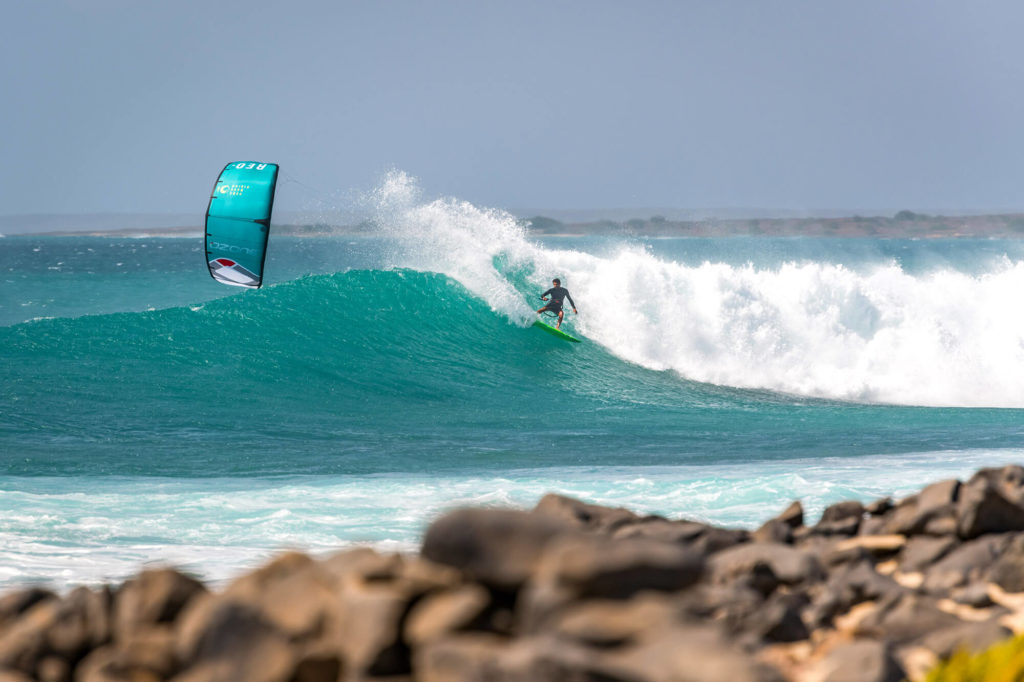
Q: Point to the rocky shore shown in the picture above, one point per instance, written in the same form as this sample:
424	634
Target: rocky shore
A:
570	592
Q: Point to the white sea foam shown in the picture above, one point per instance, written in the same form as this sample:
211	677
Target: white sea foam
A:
821	329
70	531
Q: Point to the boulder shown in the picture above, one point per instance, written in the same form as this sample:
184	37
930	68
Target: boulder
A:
862	660
848	586
699	537
965	564
582	515
152	597
606	623
499	548
905	619
441	614
145	654
922	551
842	518
791	566
1008	569
984	508
932	511
592	567
971	637
220	639
13	604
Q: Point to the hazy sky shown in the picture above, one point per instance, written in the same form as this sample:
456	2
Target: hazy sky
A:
135	105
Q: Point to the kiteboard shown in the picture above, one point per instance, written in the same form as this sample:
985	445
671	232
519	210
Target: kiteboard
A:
555	332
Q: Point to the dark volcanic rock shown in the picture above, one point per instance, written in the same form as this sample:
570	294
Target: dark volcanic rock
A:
790	565
154	596
932	511
848	586
972	637
905	619
842	518
585	516
983	506
699	537
922	551
864	660
499	548
1008	569
965	564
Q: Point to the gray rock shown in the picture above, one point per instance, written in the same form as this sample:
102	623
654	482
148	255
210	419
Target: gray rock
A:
583	515
597	567
499	548
972	637
965	564
152	597
842	518
848	586
1008	569
790	565
922	551
905	619
931	511
864	660
983	508
699	537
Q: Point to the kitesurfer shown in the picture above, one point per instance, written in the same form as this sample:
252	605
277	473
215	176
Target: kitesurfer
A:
557	293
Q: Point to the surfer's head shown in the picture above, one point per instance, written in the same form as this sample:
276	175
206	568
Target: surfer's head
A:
557	282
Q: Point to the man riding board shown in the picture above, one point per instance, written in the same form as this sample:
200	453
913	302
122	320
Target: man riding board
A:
557	293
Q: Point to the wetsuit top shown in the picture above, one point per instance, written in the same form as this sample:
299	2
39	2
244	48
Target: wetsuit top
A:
557	294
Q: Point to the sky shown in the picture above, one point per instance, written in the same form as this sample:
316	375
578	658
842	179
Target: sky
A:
134	106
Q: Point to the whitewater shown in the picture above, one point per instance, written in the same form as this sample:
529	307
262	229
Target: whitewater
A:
150	416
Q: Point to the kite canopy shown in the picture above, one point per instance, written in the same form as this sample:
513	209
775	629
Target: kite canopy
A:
238	222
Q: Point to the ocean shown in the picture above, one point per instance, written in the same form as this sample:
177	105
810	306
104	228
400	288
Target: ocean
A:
151	416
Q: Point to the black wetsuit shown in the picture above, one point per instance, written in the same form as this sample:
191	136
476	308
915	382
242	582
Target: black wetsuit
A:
557	294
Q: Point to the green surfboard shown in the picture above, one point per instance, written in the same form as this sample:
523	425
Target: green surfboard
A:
555	332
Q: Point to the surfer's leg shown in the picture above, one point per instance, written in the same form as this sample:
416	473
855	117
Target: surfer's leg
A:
560	313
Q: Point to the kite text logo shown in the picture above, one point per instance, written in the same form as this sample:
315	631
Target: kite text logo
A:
233	190
231	248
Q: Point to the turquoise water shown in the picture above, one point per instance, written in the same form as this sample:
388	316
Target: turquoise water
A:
149	415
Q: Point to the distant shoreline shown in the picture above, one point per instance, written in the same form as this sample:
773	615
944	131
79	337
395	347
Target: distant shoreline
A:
903	225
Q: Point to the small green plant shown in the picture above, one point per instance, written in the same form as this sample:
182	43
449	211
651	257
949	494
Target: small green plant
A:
1003	662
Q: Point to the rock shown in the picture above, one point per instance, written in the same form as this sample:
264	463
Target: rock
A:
790	565
143	655
476	658
371	616
441	614
584	516
931	511
842	518
1009	480
591	567
611	623
793	515
847	587
219	639
982	508
905	619
499	548
13	604
152	597
879	506
773	531
972	637
699	537
974	595
293	593
777	620
685	653
922	551
965	564
23	643
82	623
863	660
1008	569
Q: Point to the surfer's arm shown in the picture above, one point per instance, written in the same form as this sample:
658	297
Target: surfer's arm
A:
571	302
544	296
